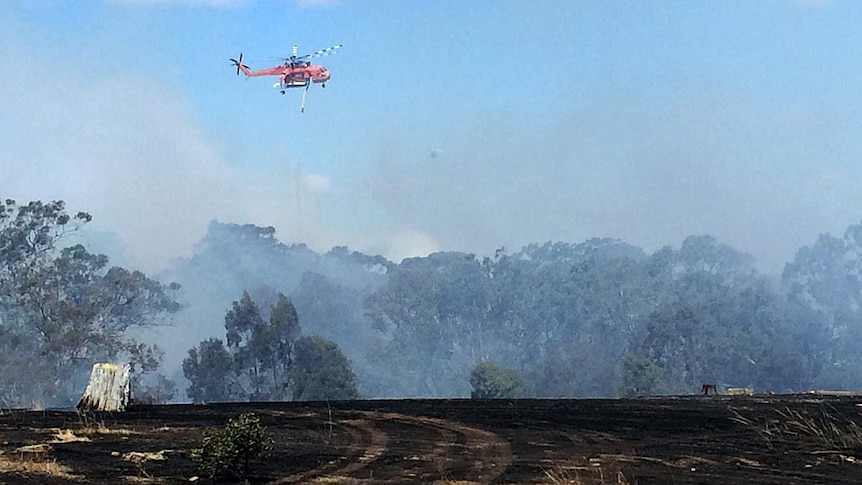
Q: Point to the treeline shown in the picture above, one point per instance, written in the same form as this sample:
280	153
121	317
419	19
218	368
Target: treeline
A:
256	319
595	319
598	318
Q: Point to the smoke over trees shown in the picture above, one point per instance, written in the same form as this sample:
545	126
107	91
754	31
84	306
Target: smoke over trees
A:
63	308
599	318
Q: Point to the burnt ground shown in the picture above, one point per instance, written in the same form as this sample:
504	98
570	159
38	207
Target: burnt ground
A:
690	440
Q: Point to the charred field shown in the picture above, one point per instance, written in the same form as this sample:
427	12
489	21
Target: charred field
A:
686	440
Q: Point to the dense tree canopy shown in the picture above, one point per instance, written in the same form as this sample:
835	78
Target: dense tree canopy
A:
594	319
209	369
602	318
597	318
267	359
321	372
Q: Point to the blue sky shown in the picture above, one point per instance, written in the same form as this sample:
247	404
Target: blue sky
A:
551	120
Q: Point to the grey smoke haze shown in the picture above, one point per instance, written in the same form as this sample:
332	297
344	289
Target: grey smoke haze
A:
138	163
130	148
765	180
133	136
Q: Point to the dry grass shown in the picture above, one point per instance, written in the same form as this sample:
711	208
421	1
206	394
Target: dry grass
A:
337	480
91	424
134	479
34	463
587	475
824	428
71	435
144	456
104	430
37	449
67	436
456	482
140	458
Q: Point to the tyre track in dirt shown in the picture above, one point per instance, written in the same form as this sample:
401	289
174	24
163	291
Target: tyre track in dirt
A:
440	450
435	450
367	443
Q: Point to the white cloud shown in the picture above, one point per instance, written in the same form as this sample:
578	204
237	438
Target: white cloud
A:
316	183
409	242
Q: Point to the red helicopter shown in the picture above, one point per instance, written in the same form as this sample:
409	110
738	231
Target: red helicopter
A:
295	72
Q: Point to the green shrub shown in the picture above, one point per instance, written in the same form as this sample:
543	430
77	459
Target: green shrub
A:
490	381
231	450
320	371
641	376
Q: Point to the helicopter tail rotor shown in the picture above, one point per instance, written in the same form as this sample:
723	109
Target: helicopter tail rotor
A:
238	63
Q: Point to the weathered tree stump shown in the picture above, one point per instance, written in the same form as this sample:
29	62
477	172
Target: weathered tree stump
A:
108	389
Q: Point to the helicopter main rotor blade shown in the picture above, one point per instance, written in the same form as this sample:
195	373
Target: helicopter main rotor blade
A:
323	52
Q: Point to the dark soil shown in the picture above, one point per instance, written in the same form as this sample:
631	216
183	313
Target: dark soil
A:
693	440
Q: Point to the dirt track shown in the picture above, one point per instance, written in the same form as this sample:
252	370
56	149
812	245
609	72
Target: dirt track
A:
644	441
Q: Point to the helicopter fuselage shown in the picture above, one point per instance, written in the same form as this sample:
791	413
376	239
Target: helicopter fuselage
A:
295	72
293	75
